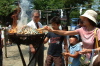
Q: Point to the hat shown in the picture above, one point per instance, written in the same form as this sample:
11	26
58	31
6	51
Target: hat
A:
90	14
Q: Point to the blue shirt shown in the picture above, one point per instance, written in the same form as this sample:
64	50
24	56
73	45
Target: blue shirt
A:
73	49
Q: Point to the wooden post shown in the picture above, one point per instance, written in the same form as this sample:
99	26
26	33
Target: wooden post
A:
4	41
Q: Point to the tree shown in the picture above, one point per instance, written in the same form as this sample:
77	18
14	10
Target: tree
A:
47	4
69	5
6	7
72	4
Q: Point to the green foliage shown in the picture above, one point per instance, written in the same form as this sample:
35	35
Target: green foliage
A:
68	6
98	18
6	7
48	4
75	14
55	4
73	3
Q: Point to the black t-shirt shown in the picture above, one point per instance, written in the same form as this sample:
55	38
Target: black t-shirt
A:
55	46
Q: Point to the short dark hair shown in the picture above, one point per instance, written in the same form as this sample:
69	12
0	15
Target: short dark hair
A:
73	36
55	20
65	27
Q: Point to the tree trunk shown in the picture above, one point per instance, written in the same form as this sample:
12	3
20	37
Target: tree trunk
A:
68	17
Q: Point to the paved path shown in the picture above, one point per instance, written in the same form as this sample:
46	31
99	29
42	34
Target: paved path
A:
14	56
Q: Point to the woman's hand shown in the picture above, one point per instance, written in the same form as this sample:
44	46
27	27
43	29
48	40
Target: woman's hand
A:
98	49
84	51
48	28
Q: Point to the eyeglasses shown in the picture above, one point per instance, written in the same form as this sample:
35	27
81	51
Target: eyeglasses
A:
36	16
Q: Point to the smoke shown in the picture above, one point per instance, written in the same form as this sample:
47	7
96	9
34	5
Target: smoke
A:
80	10
25	13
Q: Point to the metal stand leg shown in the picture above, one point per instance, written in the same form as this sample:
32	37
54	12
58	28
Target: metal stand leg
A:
41	41
34	55
22	58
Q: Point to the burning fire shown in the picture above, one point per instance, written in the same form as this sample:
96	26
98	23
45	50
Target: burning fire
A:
13	30
27	30
19	27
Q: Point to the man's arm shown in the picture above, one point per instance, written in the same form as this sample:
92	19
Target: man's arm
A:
1	44
32	48
46	40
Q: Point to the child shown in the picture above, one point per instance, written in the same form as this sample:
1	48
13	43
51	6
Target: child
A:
55	46
73	53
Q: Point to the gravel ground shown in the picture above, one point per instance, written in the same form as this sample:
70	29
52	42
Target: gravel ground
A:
13	56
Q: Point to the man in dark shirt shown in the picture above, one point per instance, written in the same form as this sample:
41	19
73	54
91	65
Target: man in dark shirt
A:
1	58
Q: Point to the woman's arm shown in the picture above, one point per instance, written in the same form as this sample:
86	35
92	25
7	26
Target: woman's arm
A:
84	51
73	55
61	32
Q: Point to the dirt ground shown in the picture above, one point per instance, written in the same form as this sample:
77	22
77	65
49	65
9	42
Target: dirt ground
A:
13	56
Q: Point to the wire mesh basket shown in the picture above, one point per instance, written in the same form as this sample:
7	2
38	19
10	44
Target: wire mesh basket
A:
27	39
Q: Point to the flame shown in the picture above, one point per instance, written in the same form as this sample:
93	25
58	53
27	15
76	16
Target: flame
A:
13	30
15	18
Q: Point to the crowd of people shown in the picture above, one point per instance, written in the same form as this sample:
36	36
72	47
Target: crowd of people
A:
86	33
57	37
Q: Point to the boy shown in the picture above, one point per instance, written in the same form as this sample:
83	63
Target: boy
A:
73	53
55	46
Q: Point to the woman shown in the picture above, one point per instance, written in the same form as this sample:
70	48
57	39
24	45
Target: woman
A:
86	32
84	51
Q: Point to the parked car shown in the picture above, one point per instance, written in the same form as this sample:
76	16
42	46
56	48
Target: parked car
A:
74	23
74	19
